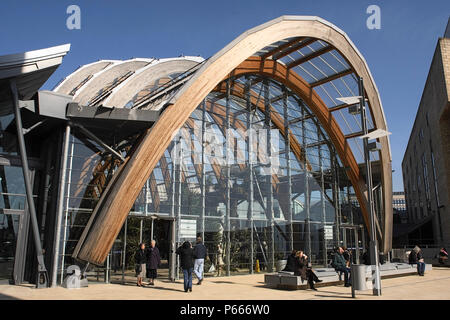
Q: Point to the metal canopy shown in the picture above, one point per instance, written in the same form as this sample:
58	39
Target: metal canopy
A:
111	124
30	70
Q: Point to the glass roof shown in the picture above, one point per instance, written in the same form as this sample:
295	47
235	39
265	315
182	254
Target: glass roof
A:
328	72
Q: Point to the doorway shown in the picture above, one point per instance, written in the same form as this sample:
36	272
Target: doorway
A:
352	237
13	225
138	229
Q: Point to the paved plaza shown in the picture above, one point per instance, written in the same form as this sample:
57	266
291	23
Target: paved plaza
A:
435	285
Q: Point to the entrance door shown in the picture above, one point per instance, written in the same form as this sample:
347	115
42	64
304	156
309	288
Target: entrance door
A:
137	229
351	240
161	233
13	224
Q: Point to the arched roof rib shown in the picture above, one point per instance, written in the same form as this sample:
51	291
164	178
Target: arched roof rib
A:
107	79
79	77
146	76
325	68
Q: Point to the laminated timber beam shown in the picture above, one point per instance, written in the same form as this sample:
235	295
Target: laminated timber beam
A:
332	77
115	203
281	48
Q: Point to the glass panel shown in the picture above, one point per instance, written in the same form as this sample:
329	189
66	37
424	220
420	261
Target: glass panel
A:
12	188
9	227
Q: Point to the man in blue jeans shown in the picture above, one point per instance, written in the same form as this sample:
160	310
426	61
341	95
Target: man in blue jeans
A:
420	261
186	254
340	265
199	256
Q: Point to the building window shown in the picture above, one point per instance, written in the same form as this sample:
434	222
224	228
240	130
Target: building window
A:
421	135
433	166
425	179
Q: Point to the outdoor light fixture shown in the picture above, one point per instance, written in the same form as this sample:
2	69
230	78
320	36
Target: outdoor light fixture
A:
349	100
353	103
374	146
354	109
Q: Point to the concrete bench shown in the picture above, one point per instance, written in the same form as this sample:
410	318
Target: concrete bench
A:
329	277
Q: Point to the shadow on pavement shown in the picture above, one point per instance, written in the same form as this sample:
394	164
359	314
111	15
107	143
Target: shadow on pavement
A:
6	297
167	289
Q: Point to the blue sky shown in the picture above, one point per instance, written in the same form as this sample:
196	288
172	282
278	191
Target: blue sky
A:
399	54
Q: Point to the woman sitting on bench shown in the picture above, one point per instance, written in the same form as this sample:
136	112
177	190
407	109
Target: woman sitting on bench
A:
304	270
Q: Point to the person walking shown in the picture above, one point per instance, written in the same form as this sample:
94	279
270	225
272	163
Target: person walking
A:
186	254
140	259
219	260
443	256
420	261
153	262
340	265
304	270
199	256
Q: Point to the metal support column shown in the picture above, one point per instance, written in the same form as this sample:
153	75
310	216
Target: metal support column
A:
42	276
141	222
173	243
376	281
172	254
124	255
322	197
179	158
62	183
288	168
336	195
203	177
306	192
66	208
269	197
228	181
250	173
151	230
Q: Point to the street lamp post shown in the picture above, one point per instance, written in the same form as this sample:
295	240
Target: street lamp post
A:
373	248
357	106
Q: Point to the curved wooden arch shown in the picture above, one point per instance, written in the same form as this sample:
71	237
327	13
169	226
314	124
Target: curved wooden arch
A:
120	198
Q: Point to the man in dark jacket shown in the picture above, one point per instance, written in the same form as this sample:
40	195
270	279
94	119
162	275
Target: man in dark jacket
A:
186	254
340	265
412	257
153	261
199	256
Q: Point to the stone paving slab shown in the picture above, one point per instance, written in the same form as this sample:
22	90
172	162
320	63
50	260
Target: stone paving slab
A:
434	285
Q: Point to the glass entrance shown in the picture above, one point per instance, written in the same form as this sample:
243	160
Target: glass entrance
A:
9	228
137	229
12	220
352	240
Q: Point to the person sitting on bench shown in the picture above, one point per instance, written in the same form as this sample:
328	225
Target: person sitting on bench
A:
304	270
339	264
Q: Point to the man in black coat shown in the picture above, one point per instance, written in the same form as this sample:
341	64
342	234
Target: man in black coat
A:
153	261
186	254
199	256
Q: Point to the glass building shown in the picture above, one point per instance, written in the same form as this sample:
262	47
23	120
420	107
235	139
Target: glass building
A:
250	149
